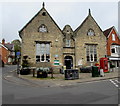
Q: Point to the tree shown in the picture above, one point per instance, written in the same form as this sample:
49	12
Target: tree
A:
17	47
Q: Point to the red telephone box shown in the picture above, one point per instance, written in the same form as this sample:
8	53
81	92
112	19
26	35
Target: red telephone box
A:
104	64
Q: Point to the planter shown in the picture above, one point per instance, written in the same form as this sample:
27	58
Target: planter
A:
25	71
86	69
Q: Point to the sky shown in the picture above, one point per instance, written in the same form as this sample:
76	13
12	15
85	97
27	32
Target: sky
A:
15	15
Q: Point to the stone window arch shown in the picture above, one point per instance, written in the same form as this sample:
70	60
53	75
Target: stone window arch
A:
43	28
91	32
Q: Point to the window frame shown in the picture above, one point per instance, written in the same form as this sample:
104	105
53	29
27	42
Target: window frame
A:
67	43
90	31
43	52
43	28
113	37
91	53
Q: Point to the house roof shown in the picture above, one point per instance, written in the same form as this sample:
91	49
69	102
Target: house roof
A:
9	46
3	46
107	31
37	15
89	15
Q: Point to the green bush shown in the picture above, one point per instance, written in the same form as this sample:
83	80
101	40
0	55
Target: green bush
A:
25	62
112	66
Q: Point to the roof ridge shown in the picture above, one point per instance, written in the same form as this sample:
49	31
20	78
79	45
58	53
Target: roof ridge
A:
85	21
43	8
107	31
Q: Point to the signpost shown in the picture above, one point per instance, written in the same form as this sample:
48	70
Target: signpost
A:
18	57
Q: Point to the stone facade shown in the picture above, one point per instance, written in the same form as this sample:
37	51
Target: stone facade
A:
82	40
68	47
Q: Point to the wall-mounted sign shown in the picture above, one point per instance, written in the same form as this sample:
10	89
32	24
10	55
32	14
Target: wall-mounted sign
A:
56	62
80	62
18	54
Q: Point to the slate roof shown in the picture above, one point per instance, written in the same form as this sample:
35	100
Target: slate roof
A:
9	46
3	46
107	31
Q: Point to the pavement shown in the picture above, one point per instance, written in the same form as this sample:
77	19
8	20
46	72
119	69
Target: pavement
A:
59	79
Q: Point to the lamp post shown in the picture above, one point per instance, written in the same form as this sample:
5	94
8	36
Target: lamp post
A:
18	70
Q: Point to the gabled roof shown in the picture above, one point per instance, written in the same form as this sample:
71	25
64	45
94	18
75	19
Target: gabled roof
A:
3	46
9	46
107	31
43	9
89	15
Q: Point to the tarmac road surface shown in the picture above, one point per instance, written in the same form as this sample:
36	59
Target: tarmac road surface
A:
96	92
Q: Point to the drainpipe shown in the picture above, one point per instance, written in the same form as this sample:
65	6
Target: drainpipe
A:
74	52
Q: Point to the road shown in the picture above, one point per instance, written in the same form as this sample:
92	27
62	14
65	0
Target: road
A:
97	92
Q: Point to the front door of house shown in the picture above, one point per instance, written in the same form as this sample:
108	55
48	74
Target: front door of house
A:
68	61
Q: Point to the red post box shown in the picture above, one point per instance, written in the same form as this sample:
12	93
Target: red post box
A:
104	64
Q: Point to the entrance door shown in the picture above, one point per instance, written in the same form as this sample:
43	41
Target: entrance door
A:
68	61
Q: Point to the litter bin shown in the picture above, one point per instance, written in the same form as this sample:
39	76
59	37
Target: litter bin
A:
71	74
95	71
76	74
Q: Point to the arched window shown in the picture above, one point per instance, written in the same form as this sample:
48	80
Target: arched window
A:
43	28
90	32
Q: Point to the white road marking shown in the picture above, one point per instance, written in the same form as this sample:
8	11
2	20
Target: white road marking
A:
112	81
8	76
117	81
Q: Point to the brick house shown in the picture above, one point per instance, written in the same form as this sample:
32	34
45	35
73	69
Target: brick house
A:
46	44
113	46
7	52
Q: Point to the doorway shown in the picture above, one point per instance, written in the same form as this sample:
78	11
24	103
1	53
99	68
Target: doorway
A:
68	62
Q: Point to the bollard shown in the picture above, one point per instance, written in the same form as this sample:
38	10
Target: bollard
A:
33	72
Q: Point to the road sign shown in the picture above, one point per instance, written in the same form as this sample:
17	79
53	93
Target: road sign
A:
18	53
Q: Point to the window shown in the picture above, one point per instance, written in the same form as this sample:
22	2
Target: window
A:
42	28
113	37
68	43
91	53
117	63
90	32
118	50
42	52
115	49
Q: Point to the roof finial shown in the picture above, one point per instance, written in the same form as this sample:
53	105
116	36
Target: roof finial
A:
89	11
43	4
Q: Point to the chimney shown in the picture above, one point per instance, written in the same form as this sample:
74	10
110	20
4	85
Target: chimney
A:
3	41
